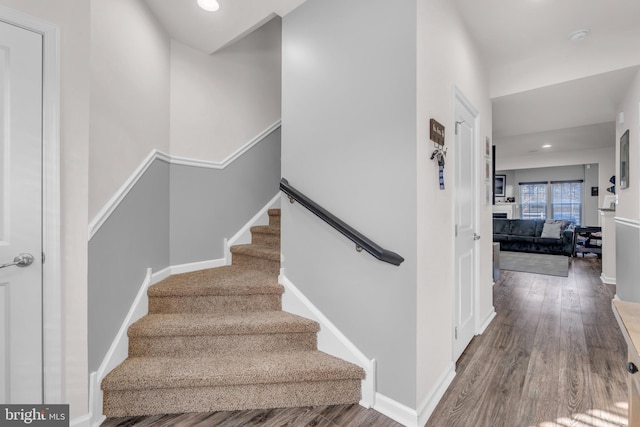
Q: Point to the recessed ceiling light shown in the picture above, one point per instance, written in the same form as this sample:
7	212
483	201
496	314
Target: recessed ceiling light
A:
579	35
546	146
209	5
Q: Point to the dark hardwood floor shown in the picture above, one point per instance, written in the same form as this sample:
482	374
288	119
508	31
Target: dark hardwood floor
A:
552	357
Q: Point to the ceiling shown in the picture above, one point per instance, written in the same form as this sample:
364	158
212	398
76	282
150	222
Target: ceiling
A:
544	87
211	31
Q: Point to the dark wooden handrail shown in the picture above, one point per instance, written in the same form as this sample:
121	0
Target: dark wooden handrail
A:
361	241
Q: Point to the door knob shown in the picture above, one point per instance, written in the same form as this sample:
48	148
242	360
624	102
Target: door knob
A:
22	260
476	236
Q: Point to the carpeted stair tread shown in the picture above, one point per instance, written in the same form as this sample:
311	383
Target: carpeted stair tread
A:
266	322
266	229
259	251
140	373
218	340
227	280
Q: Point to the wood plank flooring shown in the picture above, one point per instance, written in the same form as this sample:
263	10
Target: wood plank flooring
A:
321	416
552	357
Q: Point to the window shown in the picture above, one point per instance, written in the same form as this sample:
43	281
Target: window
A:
566	200
533	196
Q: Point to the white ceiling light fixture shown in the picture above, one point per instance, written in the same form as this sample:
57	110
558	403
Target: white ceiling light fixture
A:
579	35
546	146
209	5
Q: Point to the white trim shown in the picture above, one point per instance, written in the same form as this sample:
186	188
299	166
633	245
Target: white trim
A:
244	235
487	321
122	192
51	296
460	98
430	402
83	421
197	266
411	417
606	280
396	411
330	339
184	161
626	221
119	349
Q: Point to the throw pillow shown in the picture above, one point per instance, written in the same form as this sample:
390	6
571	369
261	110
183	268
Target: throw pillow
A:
551	230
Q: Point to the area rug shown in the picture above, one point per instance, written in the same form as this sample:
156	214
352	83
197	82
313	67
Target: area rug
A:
552	265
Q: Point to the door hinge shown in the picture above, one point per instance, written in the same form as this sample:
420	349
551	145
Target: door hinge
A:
43	257
456	235
455	332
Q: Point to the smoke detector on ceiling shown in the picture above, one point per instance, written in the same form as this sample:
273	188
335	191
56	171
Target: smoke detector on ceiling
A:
579	35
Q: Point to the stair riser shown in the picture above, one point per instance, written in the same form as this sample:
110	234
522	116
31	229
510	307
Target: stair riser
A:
215	304
256	263
265	239
274	219
130	403
178	346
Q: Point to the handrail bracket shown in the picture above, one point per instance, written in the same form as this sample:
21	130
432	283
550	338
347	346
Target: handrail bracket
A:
361	241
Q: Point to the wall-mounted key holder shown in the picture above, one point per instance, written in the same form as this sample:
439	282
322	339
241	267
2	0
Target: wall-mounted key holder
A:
436	134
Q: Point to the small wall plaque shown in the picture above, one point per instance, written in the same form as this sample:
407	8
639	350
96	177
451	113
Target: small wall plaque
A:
436	132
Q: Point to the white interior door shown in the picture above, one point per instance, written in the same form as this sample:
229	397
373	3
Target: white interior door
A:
465	218
20	215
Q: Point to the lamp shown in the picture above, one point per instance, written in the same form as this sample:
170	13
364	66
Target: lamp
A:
209	5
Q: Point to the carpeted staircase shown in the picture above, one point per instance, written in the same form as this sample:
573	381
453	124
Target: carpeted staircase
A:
218	340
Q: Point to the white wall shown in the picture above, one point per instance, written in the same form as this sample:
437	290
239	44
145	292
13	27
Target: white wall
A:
130	56
447	57
73	18
219	102
629	198
590	214
605	158
349	143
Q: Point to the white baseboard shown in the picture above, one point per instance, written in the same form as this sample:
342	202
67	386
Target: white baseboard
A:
83	421
330	339
430	401
244	235
607	280
487	321
119	349
416	418
396	411
196	266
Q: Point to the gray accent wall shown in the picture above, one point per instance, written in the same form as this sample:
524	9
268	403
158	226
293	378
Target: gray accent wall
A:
173	215
135	237
209	205
349	143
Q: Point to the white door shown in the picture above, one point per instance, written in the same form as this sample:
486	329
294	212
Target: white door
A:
20	215
465	224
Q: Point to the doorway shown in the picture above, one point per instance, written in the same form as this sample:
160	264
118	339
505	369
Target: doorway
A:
45	165
466	260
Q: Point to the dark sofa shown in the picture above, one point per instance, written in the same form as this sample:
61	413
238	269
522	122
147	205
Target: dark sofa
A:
531	235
